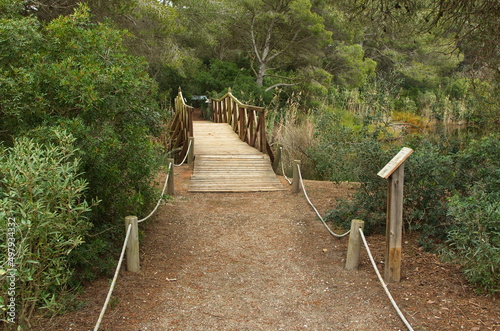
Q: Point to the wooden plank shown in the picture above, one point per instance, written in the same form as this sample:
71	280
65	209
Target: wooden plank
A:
396	161
224	163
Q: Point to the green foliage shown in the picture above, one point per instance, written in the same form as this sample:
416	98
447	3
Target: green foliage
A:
350	67
451	195
279	34
474	237
429	180
10	8
219	75
350	153
43	218
77	74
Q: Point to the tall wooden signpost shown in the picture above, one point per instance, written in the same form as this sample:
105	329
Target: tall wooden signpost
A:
394	172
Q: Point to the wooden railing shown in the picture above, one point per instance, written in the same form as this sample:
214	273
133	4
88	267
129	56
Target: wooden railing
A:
182	126
249	122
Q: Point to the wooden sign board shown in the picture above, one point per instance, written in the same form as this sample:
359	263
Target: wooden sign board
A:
396	161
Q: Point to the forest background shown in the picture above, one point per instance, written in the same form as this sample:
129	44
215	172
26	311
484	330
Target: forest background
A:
86	91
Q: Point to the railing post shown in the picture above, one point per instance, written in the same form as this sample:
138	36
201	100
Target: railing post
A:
235	116
354	246
190	122
191	153
277	161
214	111
262	125
170	182
296	179
243	127
133	263
251	133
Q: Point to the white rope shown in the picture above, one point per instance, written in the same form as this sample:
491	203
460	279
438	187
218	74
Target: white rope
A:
186	156
161	196
317	212
129	229
383	283
282	168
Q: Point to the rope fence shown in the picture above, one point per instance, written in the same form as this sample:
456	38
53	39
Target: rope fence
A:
316	210
131	242
299	176
161	195
112	287
187	154
352	259
386	290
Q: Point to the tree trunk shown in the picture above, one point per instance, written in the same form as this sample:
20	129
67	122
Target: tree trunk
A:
261	74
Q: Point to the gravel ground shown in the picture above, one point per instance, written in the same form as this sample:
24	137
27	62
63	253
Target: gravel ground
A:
263	261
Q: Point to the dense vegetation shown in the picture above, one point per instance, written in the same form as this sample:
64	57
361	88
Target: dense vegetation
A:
85	88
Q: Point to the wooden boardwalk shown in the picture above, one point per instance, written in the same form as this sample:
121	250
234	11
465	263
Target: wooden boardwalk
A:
224	163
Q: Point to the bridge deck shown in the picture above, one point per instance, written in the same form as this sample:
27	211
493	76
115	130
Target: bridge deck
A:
224	163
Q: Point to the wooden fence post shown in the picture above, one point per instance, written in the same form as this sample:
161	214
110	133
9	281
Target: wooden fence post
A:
394	171
243	128
394	226
277	161
296	179
191	153
133	263
170	182
354	246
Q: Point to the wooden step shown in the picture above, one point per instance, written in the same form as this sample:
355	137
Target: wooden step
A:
224	163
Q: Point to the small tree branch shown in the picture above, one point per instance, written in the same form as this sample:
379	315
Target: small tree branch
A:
278	85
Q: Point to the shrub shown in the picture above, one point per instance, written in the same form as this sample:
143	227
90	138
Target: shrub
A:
78	74
44	217
474	233
474	237
451	197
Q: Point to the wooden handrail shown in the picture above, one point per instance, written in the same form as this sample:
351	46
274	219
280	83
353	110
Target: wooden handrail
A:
182	126
241	104
248	121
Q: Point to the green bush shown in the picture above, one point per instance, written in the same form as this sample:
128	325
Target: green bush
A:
474	233
451	196
43	217
474	237
77	74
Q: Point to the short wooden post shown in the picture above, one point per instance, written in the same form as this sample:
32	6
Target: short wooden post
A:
170	182
277	161
133	263
354	246
394	171
296	179
191	152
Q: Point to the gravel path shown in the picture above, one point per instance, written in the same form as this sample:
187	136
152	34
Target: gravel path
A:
263	261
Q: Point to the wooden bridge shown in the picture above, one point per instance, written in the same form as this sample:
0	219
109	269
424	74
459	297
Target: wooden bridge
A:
231	153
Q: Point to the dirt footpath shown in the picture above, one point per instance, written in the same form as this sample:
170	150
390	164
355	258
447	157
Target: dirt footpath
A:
263	261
